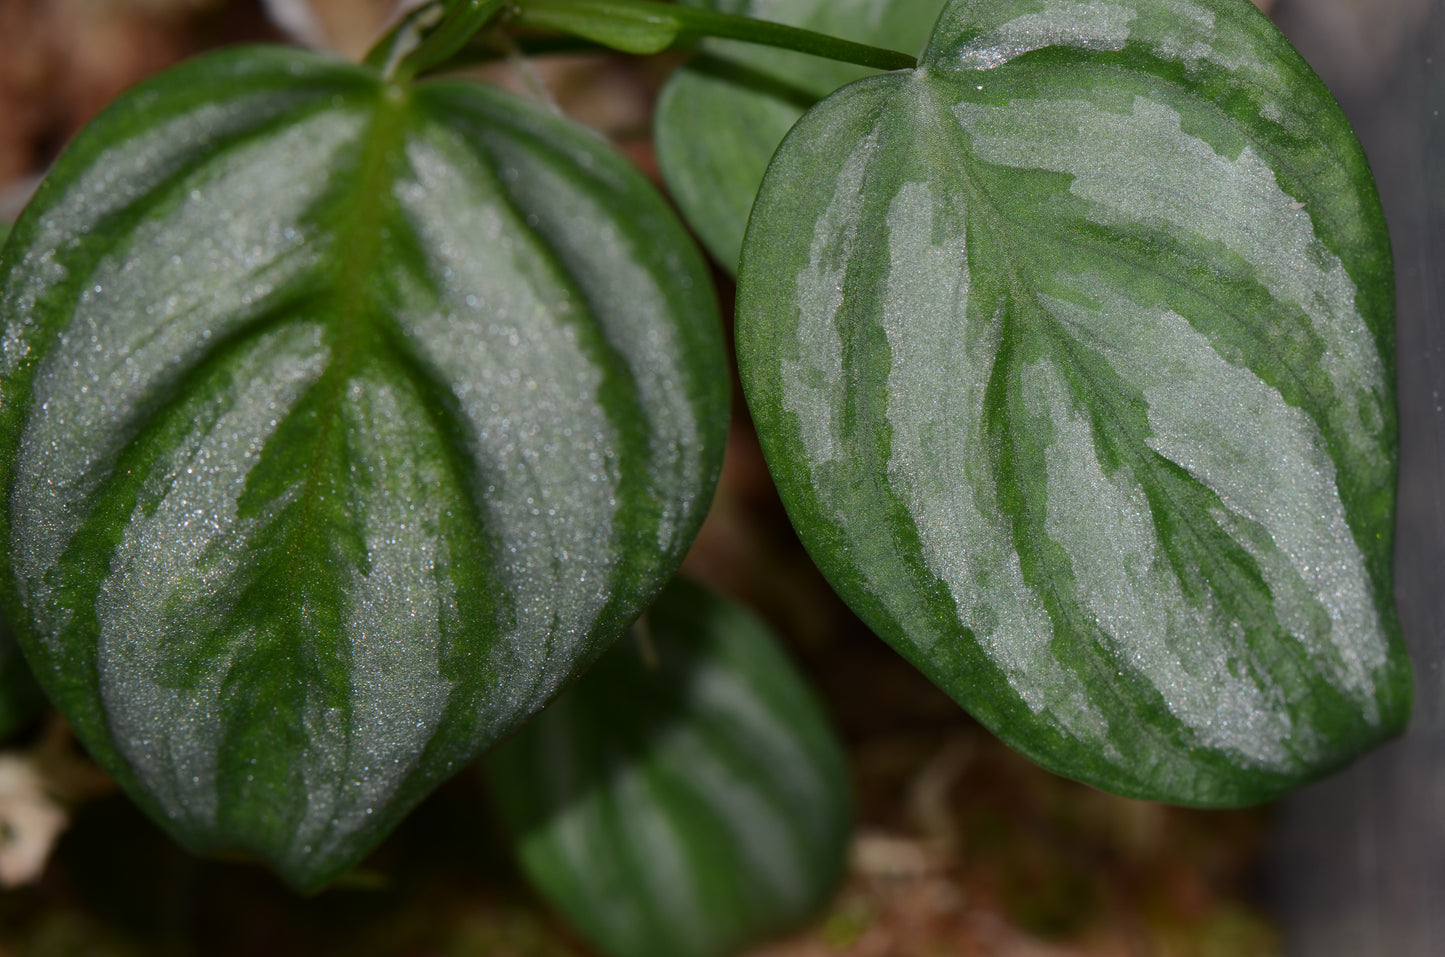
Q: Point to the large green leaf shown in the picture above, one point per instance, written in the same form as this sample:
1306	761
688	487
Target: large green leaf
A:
1071	355
687	796
720	117
342	424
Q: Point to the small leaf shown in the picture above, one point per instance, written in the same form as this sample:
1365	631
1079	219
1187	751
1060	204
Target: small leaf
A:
720	118
687	796
343	423
1071	355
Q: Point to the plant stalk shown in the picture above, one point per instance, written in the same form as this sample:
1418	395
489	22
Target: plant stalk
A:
647	26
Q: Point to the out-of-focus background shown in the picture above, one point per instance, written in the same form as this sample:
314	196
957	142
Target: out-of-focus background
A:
963	848
1356	864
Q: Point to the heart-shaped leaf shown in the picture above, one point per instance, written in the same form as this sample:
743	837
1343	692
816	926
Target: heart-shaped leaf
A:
720	117
687	796
342	424
1071	355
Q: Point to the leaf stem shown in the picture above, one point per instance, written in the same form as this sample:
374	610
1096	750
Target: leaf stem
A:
491	45
429	36
647	26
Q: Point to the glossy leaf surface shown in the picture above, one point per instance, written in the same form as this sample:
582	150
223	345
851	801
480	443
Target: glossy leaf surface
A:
720	118
1071	355
342	424
687	796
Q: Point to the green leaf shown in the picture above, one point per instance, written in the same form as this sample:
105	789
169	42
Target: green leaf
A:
720	118
1071	356
342	425
687	796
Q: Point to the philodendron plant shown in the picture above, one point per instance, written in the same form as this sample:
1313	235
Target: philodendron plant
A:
348	413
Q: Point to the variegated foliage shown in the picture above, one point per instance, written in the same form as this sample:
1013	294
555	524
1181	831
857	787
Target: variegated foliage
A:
343	423
1071	354
687	796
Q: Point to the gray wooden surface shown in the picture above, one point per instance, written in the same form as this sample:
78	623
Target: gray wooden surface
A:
1358	865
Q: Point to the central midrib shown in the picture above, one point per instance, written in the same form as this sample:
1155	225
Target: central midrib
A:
355	255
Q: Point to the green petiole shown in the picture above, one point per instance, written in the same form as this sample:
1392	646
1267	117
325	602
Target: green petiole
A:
647	26
430	36
433	36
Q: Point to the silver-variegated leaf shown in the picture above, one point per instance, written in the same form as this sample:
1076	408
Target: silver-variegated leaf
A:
687	797
1071	355
343	423
720	117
